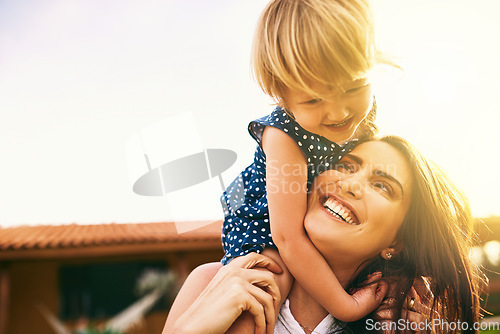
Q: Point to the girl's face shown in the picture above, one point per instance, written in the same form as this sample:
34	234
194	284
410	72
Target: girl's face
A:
355	210
338	115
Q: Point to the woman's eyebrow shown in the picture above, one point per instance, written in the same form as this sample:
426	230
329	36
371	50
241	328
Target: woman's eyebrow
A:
356	159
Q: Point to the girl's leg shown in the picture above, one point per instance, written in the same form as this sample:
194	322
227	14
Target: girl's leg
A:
245	323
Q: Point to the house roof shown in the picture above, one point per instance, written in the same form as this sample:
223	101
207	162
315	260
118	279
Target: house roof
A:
73	240
65	241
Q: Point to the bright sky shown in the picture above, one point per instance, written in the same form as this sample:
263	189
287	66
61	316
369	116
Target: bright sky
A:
80	79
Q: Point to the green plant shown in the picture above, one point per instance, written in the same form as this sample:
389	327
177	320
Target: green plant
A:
152	285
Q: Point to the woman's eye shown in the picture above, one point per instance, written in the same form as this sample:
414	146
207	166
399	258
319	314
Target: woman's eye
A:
384	186
345	167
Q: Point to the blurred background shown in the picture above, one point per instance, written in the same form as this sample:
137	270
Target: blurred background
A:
79	79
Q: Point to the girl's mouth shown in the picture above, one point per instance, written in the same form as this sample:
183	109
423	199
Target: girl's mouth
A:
340	211
339	127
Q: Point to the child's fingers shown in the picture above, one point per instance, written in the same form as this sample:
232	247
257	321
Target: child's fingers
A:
371	294
370	284
373	277
377	287
381	291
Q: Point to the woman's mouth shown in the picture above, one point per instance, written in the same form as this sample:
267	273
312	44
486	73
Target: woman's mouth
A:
340	211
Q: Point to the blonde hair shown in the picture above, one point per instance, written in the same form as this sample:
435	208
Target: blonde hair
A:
302	41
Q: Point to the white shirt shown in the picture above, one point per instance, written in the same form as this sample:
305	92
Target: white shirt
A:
286	323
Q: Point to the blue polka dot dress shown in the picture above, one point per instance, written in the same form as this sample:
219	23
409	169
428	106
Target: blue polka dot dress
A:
246	216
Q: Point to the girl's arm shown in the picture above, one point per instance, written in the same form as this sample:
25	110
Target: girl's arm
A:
286	180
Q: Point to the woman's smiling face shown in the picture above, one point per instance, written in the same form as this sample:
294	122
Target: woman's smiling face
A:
356	210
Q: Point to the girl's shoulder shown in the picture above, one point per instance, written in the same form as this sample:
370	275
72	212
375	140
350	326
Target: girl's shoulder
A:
310	143
278	118
281	120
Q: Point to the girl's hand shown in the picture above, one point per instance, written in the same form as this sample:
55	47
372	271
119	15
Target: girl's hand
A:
236	288
371	295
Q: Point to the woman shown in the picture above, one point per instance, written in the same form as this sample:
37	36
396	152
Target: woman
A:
383	209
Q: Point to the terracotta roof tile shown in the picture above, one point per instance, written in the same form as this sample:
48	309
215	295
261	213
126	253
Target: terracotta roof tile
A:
69	236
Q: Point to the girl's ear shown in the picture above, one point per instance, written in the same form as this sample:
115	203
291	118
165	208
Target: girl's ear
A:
391	251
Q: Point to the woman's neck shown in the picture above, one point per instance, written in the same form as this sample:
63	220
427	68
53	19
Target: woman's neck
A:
305	309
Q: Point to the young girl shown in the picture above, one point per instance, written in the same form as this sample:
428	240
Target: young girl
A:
312	57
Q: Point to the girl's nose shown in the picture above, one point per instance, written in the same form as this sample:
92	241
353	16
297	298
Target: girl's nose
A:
335	111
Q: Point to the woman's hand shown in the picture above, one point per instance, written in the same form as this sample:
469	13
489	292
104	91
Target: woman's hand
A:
236	288
416	309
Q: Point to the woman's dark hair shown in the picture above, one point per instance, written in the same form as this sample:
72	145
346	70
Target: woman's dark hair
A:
368	129
435	238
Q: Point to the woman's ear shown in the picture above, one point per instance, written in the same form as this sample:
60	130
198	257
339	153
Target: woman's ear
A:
391	251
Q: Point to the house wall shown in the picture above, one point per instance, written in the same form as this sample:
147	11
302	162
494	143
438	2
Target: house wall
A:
32	282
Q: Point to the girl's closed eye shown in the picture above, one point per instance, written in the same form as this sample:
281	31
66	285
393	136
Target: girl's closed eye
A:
356	89
314	101
356	86
352	90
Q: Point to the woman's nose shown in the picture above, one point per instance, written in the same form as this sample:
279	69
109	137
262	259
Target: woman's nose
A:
351	187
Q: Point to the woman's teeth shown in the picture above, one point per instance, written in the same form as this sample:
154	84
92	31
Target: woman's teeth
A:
339	210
